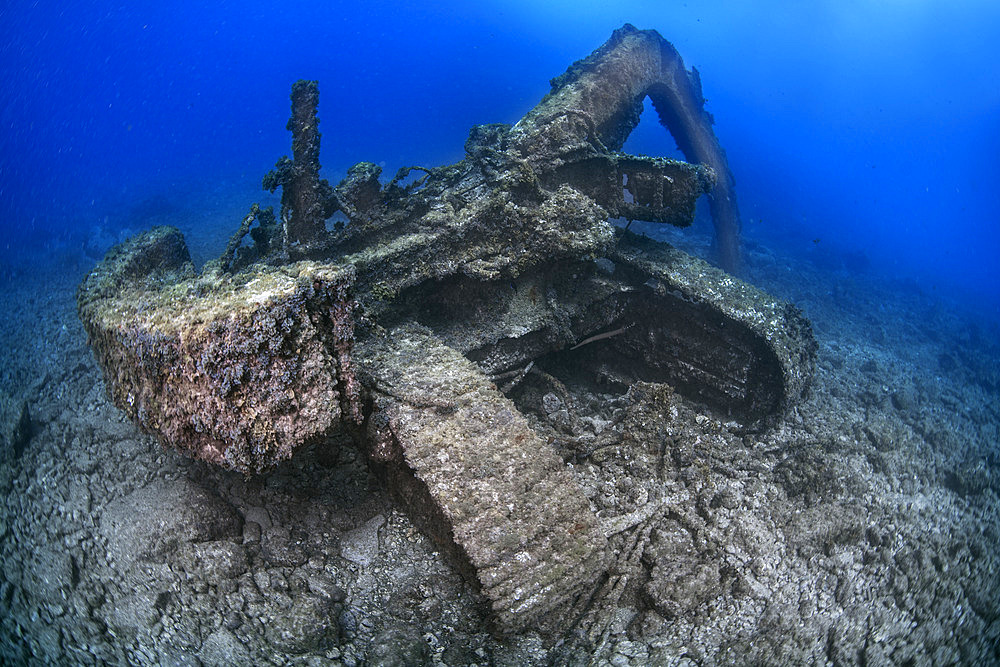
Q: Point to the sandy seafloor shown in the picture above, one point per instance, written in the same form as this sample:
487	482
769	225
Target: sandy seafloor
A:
864	528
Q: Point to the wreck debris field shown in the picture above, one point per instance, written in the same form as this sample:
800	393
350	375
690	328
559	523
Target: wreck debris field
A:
515	336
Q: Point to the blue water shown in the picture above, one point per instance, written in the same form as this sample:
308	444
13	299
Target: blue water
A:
867	131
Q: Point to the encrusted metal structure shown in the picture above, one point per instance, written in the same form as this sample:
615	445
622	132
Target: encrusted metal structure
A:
410	326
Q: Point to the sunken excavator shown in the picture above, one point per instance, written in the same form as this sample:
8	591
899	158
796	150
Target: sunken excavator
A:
450	312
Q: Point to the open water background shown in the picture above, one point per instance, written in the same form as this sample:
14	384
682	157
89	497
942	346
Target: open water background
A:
862	135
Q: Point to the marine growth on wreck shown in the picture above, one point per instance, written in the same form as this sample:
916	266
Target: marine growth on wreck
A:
454	324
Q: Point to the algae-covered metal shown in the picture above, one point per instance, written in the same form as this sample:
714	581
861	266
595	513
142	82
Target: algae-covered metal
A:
406	326
237	370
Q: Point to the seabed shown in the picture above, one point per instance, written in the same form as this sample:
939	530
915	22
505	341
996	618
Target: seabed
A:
862	528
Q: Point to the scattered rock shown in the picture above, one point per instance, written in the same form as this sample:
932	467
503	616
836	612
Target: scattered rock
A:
156	519
361	545
223	648
23	429
307	624
398	647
